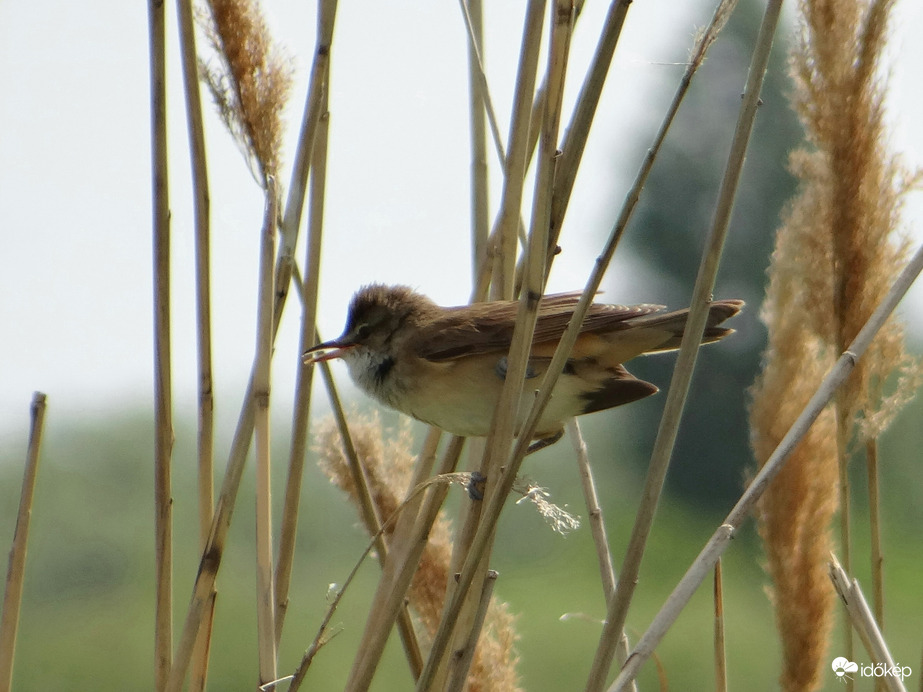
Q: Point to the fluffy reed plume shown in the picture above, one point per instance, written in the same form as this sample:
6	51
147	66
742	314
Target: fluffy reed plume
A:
835	255
388	465
249	80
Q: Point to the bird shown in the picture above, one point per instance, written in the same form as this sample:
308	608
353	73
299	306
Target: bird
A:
446	366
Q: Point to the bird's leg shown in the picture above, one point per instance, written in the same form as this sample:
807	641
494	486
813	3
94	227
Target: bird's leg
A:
478	480
543	442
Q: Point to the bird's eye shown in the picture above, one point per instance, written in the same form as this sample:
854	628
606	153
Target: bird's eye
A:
362	332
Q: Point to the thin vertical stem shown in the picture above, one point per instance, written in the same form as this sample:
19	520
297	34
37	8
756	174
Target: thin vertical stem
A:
842	439
198	674
463	663
505	425
16	569
304	377
597	528
721	678
266	603
685	364
311	155
201	210
594	511
163	417
240	444
477	95
877	553
578	130
515	165
314	108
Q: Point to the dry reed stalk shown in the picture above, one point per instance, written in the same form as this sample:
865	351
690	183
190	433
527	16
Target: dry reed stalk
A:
372	505
303	379
459	617
594	510
597	528
494	506
876	553
16	567
163	398
205	440
503	252
198	669
265	599
413	525
462	661
721	677
705	562
311	146
685	363
831	267
860	615
314	109
578	130
311	153
249	87
201	211
478	100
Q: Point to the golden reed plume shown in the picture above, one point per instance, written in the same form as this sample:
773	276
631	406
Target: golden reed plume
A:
835	256
249	81
388	466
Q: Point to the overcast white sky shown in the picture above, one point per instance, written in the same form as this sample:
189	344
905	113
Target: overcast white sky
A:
75	258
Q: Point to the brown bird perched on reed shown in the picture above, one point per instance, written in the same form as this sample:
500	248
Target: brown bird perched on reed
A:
446	366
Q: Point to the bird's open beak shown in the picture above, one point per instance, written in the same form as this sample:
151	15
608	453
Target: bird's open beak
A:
327	350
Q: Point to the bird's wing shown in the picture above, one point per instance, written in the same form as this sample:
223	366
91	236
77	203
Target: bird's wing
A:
488	327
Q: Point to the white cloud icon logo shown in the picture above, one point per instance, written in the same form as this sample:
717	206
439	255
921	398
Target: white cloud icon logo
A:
842	665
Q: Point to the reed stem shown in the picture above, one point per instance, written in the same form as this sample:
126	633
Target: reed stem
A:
721	678
877	551
16	568
163	416
266	602
205	441
688	353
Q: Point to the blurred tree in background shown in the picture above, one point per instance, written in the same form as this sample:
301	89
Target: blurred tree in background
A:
667	236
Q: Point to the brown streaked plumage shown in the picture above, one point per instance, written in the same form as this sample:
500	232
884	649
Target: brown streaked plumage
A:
446	366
